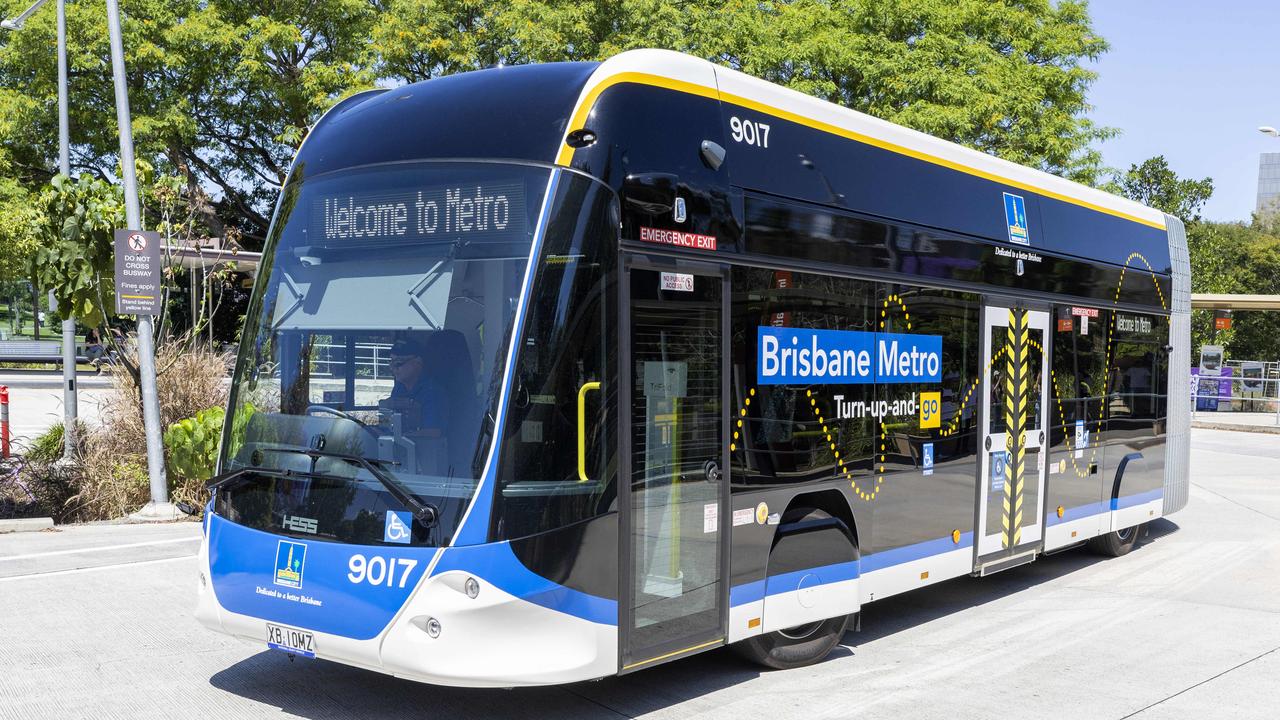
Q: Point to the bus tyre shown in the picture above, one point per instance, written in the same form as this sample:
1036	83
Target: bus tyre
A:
1115	544
804	644
794	647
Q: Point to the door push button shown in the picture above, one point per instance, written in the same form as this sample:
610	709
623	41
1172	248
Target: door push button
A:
711	469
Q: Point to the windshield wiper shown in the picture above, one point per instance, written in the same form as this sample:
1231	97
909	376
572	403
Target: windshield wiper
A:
426	514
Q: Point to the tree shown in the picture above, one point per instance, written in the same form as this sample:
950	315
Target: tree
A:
75	228
1155	184
221	93
1002	77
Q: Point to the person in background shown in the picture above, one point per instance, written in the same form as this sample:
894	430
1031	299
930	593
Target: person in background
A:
93	348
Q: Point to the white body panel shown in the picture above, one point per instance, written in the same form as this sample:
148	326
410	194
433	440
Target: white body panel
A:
881	583
809	602
1136	514
1075	531
492	640
740	617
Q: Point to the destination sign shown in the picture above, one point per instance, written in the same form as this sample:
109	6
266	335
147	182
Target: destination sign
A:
480	211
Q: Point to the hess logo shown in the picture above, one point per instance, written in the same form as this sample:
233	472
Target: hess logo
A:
930	410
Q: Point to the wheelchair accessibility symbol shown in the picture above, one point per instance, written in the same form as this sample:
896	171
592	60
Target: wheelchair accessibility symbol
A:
397	528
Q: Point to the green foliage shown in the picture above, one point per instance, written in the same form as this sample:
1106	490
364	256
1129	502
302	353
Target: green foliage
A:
1234	258
47	446
1154	184
192	444
222	91
1003	77
75	225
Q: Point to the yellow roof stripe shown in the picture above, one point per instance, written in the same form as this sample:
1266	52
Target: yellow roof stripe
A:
565	156
584	108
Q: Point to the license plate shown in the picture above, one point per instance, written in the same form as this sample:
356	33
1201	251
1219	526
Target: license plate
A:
294	642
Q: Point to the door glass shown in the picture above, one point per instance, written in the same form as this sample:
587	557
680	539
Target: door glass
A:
676	449
1035	457
997	453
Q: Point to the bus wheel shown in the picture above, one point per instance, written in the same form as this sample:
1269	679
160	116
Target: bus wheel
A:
794	647
803	644
1115	544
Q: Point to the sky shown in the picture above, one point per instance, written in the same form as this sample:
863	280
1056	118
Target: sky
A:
1191	80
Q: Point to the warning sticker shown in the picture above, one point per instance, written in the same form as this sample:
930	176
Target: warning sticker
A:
745	516
710	518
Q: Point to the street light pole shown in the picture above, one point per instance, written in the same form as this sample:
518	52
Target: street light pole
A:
69	399
159	508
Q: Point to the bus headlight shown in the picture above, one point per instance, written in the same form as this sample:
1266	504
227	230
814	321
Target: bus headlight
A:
472	587
433	627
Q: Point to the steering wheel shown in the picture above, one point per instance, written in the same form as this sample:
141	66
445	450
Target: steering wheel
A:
326	410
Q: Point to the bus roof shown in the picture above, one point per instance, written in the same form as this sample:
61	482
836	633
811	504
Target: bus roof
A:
518	112
684	73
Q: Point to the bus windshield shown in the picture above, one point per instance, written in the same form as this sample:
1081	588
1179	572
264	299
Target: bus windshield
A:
376	341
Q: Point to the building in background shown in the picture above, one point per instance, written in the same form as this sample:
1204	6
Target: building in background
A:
1268	183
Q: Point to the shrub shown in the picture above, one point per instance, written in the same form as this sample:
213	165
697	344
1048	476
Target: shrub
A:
192	444
47	447
109	478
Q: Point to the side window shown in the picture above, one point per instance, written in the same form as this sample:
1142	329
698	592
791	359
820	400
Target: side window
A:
564	363
1079	378
942	414
1139	372
796	432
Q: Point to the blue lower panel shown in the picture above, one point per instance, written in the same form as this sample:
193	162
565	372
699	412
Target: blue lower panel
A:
786	582
1084	511
1077	513
308	583
757	590
499	566
907	553
1140	499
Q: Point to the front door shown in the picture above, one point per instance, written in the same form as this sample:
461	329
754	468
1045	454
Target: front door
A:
674	524
1014	410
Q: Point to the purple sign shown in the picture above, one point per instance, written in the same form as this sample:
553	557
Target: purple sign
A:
1213	387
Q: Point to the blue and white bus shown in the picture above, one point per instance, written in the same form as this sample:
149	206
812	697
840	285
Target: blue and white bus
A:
561	371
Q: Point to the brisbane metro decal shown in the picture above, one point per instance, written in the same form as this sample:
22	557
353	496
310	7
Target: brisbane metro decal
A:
787	356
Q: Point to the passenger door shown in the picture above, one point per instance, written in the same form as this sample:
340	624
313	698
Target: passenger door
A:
674	550
1015	405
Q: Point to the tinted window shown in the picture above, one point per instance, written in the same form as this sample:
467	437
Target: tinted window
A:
565	358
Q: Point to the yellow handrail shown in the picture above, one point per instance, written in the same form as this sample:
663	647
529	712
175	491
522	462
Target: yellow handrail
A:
582	428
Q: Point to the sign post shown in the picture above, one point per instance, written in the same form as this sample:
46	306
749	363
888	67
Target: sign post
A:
159	508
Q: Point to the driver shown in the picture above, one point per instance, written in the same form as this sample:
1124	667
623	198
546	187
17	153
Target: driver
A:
415	394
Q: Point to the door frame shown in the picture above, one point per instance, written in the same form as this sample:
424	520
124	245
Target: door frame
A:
1040	318
629	261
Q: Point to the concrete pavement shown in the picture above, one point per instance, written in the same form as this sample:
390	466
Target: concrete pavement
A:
35	400
97	623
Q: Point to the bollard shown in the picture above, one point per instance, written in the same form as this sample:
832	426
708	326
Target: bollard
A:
4	421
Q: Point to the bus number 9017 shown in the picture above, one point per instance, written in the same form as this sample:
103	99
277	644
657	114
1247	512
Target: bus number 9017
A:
749	132
379	570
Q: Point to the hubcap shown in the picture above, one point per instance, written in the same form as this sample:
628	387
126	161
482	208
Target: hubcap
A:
800	632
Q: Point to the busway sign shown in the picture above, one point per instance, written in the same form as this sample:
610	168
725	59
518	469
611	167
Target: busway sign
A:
137	272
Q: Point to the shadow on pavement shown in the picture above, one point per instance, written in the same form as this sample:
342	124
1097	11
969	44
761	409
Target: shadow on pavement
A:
917	607
319	689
